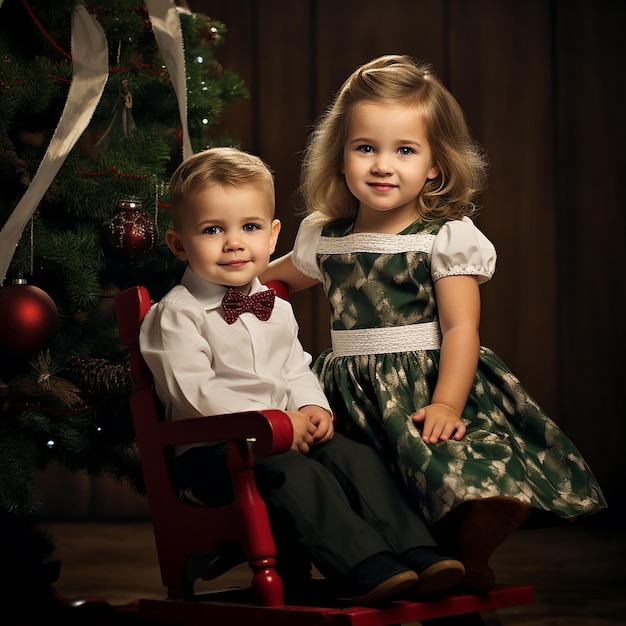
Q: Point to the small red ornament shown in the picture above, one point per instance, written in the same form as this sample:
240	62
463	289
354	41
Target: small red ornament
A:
28	317
130	235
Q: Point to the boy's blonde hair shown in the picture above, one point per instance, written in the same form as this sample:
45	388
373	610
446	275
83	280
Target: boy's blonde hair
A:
396	80
219	166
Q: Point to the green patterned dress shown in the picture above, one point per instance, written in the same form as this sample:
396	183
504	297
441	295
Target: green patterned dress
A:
384	362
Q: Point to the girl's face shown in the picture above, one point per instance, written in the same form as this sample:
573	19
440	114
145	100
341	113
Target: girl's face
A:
226	234
386	162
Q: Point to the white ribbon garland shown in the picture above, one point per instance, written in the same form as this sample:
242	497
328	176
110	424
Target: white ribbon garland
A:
89	76
169	37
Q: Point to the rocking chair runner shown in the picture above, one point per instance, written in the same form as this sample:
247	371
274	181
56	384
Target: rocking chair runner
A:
195	542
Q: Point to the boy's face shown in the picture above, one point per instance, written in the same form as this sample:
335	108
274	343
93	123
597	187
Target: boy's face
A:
226	234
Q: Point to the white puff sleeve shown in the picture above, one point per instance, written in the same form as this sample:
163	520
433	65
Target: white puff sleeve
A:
304	255
461	249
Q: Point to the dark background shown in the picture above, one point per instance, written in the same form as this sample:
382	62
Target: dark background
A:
541	83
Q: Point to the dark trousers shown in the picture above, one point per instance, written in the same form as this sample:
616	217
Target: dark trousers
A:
339	503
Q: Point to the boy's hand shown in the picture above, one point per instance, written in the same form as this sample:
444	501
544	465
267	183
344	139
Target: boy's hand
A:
303	431
440	423
322	421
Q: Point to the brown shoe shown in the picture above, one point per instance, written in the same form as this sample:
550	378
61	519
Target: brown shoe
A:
379	577
437	571
390	588
441	576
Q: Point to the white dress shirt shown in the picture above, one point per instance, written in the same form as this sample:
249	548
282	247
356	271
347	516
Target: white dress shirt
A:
204	366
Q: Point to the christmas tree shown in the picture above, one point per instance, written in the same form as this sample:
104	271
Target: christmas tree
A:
98	105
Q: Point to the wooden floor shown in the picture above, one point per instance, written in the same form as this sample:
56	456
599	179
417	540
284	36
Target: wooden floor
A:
577	571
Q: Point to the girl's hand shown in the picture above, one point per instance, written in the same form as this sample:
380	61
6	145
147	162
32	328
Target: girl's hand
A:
322	420
303	431
284	270
440	423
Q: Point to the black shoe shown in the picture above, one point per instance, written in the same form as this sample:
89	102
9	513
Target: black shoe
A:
436	571
380	577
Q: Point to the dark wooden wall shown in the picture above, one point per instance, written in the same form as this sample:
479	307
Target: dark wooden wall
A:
541	82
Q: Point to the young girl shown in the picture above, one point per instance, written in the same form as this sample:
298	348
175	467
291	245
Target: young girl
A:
389	178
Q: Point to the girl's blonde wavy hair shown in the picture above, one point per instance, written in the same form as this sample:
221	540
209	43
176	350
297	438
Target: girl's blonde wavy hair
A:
396	80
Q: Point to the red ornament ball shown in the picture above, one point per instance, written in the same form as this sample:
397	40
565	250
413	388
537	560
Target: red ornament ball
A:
28	318
130	235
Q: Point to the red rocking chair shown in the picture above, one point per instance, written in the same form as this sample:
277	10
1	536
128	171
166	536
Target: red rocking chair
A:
202	543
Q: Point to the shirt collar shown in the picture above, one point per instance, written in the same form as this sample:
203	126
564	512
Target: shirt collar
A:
209	294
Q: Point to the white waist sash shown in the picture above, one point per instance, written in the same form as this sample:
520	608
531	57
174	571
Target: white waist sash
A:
425	336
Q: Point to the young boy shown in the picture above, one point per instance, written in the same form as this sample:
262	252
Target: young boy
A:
331	497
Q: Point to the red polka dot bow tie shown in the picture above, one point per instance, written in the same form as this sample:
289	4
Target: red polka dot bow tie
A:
234	303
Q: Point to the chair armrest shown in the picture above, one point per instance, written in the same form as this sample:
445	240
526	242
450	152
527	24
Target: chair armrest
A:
281	289
270	429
